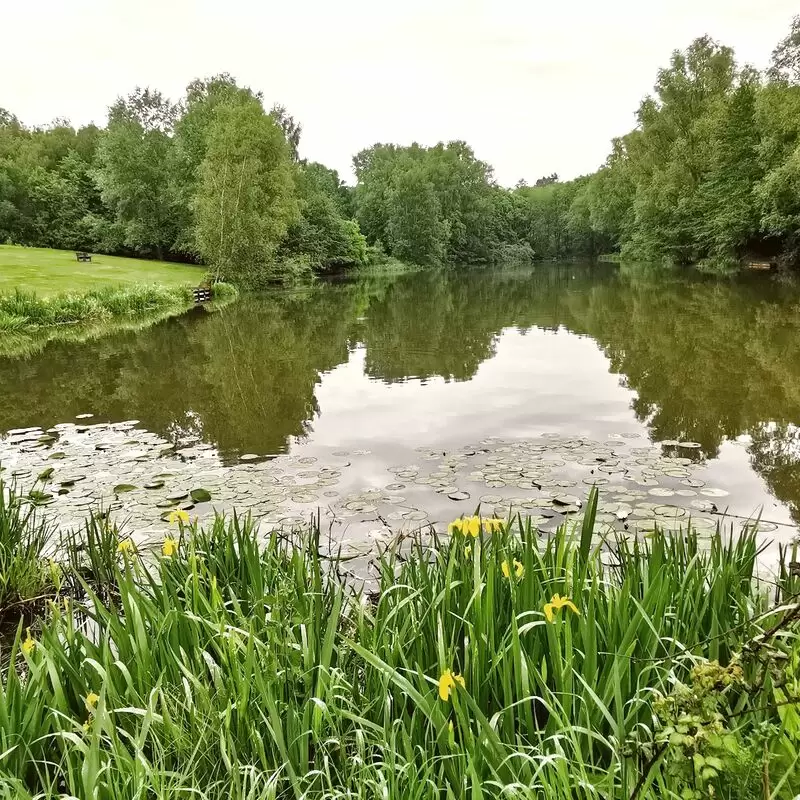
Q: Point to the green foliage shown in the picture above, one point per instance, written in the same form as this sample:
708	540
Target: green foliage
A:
245	201
146	185
135	160
242	665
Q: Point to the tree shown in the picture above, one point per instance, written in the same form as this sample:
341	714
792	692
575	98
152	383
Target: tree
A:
135	162
545	180
785	65
291	129
245	200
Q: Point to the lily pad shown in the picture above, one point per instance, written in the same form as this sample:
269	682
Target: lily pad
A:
709	492
200	495
566	500
46	474
177	496
57	456
459	495
690	445
154	485
122	488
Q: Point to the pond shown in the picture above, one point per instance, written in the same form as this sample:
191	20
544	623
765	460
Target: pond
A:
401	400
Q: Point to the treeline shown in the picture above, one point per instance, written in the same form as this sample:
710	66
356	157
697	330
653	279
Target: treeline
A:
214	178
710	174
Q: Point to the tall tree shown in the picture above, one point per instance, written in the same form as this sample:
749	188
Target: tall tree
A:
245	200
135	161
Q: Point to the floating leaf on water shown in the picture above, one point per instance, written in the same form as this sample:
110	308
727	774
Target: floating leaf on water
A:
661	491
166	503
57	456
762	526
709	492
566	500
200	495
670	511
694	482
670	443
39	497
177	496
459	495
249	457
676	473
122	488
595	481
154	485
703	505
690	445
46	474
416	516
686	492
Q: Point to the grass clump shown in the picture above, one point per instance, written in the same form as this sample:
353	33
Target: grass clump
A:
28	321
487	664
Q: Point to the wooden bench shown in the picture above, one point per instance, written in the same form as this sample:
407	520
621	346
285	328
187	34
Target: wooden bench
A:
202	294
83	256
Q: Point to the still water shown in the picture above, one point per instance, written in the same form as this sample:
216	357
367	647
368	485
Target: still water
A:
378	368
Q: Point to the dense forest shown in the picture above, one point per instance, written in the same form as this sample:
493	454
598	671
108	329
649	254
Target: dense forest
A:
709	175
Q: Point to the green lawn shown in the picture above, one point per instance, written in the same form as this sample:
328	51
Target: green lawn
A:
49	272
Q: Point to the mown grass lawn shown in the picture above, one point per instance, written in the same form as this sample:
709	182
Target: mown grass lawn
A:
48	272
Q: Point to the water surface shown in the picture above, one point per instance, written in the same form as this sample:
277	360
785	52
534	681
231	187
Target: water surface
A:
380	367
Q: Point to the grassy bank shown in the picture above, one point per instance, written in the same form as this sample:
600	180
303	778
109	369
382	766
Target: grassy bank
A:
49	272
28	321
231	665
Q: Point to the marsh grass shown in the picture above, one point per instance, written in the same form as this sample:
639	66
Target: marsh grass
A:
244	666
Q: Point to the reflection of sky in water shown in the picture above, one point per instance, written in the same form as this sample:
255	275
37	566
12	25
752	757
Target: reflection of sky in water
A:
538	381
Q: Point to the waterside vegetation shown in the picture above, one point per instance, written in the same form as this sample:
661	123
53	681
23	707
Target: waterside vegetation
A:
224	663
28	321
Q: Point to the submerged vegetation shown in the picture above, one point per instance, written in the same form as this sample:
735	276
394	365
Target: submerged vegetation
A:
710	174
222	663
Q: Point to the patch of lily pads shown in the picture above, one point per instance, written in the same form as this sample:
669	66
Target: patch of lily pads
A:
141	478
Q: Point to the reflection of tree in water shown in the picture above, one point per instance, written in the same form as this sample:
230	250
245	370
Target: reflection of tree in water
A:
706	359
775	455
446	323
246	375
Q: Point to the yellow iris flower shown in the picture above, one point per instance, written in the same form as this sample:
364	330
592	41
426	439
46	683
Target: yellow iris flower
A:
169	548
178	516
126	547
471	526
468	550
91	701
556	604
519	569
29	645
448	682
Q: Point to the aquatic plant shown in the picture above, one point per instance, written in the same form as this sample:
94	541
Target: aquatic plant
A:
244	665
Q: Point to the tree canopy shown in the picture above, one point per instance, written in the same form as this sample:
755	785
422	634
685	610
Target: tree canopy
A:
709	175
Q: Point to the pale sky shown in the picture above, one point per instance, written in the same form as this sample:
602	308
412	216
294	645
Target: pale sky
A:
534	87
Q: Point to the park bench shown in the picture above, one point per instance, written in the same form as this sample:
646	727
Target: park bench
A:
83	256
202	294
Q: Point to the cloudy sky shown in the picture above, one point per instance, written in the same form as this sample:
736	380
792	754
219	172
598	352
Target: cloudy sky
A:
533	86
